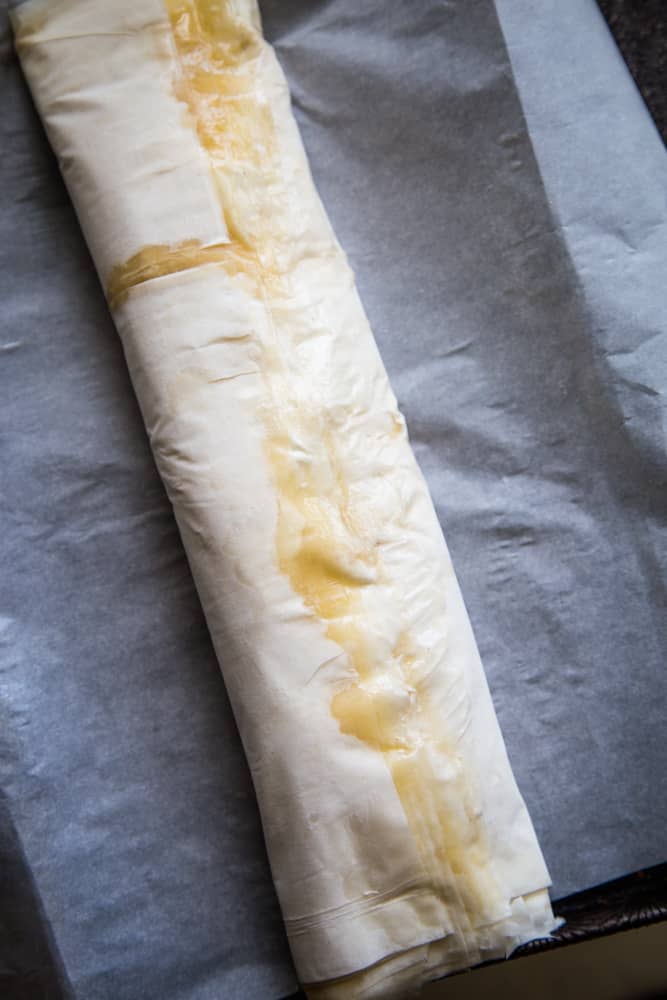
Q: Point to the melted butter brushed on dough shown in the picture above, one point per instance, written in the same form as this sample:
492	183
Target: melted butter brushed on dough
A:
327	539
159	260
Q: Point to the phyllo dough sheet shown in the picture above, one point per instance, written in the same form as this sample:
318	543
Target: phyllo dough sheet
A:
399	844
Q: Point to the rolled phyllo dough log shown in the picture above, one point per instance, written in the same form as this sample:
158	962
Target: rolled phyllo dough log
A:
399	843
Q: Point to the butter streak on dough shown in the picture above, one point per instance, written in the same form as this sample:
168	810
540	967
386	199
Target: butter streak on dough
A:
353	525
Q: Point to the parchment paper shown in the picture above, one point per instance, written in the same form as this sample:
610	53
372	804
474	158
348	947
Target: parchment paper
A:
510	268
